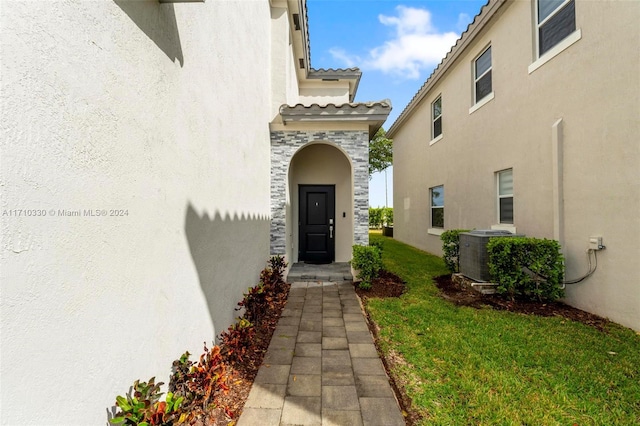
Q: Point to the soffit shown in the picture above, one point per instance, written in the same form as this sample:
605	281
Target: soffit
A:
372	113
302	50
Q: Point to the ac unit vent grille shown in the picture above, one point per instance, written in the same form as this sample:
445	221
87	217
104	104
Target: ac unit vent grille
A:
474	258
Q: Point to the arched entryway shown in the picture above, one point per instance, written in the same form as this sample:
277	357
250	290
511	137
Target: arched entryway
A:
324	158
321	196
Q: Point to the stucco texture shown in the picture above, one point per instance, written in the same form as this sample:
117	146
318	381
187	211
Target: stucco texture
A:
153	109
592	86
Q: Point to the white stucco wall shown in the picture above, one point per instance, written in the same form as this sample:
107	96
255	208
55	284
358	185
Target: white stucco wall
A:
284	80
324	92
599	111
156	109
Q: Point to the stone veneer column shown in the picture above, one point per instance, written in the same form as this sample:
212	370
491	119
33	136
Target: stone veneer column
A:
284	144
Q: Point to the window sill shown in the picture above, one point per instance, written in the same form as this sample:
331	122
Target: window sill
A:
556	50
482	102
435	231
504	227
436	139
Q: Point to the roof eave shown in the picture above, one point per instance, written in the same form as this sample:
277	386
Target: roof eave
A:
373	113
353	75
479	23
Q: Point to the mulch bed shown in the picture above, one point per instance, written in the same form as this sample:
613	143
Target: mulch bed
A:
464	296
245	372
386	284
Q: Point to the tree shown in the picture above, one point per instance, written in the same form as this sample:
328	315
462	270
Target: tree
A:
380	152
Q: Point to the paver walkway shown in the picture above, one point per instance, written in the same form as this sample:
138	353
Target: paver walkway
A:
322	367
336	271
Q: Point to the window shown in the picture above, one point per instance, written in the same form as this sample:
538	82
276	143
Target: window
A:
482	75
437	206
556	19
505	196
436	118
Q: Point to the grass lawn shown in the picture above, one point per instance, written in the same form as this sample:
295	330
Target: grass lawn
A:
467	366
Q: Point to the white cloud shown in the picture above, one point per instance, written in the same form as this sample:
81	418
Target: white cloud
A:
463	21
342	56
415	45
409	21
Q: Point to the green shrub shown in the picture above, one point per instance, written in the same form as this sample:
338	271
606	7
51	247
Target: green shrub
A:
144	406
387	216
379	244
368	261
451	249
196	387
526	267
375	217
379	216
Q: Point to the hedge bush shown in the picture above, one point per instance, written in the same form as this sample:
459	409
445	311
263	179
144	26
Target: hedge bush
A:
379	216
526	267
387	216
368	261
375	217
451	249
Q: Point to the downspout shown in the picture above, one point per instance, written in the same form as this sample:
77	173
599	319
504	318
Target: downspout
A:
557	153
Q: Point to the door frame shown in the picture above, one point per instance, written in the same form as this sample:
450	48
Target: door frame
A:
303	190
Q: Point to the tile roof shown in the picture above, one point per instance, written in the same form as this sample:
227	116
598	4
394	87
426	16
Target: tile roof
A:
331	109
353	70
340	73
479	21
374	113
303	11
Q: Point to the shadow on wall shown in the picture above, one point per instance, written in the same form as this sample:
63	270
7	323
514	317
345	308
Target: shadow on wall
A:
229	253
158	22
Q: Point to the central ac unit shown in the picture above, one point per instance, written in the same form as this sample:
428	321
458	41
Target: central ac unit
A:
474	258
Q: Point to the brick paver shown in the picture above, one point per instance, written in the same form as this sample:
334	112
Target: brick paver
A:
322	367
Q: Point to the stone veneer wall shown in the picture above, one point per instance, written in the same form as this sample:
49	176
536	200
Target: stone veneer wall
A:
284	145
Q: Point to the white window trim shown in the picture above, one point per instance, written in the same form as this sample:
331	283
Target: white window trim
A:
551	15
435	231
537	24
475	79
482	103
431	207
431	215
433	120
556	50
436	139
502	196
504	227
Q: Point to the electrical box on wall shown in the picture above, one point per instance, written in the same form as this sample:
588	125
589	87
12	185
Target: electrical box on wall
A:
595	243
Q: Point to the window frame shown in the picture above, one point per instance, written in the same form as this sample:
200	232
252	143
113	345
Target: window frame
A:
433	228
434	137
500	197
477	78
549	17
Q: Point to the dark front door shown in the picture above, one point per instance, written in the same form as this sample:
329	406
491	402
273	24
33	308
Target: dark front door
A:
317	223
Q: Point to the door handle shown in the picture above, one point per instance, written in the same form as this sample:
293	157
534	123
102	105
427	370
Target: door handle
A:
331	231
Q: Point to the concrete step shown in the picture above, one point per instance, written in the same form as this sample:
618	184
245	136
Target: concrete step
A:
484	288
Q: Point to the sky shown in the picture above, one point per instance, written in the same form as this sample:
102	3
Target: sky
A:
395	43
